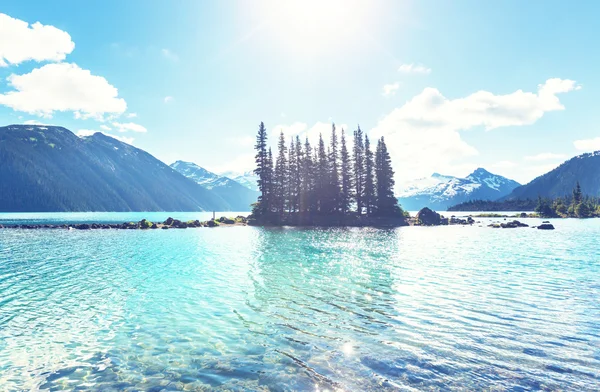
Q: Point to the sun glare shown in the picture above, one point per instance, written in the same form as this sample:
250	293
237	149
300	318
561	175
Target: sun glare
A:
315	25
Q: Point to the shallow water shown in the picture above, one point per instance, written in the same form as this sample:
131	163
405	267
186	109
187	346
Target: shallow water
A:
244	308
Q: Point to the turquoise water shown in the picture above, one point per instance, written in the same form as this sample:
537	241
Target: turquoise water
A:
244	308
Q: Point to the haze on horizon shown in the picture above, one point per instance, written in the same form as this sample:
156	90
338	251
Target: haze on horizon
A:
509	86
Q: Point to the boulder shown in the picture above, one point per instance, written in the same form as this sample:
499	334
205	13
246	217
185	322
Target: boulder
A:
229	221
513	224
428	217
165	227
145	224
154	226
83	226
169	221
211	223
546	226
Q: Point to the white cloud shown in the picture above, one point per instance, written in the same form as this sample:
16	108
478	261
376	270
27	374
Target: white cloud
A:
545	156
124	127
90	132
131	115
587	144
423	135
168	99
62	87
105	127
239	164
412	68
390	89
33	122
169	55
19	42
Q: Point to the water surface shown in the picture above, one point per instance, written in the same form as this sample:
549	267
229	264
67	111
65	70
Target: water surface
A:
244	308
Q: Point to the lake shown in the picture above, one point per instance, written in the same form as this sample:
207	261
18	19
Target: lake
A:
248	308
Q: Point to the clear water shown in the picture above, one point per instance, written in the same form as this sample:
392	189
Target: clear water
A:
244	308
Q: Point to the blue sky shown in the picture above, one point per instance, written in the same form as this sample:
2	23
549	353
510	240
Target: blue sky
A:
511	86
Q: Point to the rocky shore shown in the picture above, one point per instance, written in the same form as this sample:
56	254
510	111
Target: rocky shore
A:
144	224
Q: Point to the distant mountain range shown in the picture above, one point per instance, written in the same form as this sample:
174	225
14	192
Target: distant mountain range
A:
247	179
559	182
440	192
238	196
48	168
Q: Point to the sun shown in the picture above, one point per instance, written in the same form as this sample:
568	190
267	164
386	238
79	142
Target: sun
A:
315	25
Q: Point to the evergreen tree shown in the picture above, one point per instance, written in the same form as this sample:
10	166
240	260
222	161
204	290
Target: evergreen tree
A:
387	204
269	182
307	178
281	176
291	177
577	195
346	177
334	176
261	171
359	170
369	196
322	191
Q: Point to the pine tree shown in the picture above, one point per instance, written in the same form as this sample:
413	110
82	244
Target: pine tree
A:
386	203
281	176
306	183
346	177
323	197
292	181
577	195
334	175
261	170
359	170
369	197
269	183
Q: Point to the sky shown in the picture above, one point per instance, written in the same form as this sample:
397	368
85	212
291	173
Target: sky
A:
510	86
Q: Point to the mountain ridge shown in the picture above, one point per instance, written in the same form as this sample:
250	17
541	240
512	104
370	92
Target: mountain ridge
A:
49	168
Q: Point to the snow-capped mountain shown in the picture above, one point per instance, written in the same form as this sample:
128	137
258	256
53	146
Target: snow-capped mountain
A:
237	195
247	179
440	192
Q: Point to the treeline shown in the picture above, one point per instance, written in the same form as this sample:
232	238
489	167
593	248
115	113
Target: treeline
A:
303	182
489	205
575	206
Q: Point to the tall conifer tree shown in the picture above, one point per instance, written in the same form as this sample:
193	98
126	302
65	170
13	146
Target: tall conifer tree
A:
281	176
346	177
261	170
334	176
387	204
369	197
359	170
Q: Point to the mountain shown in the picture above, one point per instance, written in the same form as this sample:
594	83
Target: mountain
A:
238	197
48	168
247	179
440	192
559	182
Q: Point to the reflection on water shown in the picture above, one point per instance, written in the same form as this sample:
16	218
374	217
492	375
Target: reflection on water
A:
450	308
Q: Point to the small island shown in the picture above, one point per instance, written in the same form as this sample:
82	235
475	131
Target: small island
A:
325	186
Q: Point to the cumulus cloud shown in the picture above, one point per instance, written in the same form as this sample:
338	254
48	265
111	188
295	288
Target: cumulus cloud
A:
105	127
423	134
20	42
90	132
34	122
168	99
545	156
131	115
125	127
390	89
587	144
414	68
62	87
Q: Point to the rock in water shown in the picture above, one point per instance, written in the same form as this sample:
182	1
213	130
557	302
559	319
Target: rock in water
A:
546	226
428	217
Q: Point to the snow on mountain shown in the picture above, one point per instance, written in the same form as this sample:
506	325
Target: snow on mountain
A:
247	179
440	191
238	195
